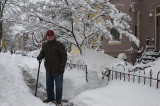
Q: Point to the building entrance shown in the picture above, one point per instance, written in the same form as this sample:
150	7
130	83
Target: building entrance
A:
158	33
158	28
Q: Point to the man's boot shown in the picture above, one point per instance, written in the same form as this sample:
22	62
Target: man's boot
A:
47	100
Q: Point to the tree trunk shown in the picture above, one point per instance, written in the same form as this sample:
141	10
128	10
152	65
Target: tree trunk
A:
80	50
1	29
2	6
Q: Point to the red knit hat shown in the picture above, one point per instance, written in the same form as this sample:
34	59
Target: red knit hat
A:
50	32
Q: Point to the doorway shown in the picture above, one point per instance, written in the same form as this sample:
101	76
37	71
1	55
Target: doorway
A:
157	24
158	33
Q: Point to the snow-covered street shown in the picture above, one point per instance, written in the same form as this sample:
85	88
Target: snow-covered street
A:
15	92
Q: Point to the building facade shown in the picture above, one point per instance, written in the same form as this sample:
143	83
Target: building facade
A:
145	15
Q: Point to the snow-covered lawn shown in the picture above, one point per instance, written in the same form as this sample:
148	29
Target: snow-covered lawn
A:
98	92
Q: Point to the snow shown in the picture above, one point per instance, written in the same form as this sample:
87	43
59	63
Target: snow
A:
119	94
122	56
13	89
97	92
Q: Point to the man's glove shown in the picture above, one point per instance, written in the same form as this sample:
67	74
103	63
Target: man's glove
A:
39	58
62	69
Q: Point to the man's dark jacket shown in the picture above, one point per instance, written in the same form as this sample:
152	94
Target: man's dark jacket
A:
55	57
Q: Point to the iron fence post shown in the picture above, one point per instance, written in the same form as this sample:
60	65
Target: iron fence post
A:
112	74
133	78
158	78
129	77
109	75
116	75
86	73
144	78
151	78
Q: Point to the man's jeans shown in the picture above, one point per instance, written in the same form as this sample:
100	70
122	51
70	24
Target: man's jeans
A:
58	85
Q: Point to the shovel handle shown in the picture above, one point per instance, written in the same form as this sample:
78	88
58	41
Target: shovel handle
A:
38	76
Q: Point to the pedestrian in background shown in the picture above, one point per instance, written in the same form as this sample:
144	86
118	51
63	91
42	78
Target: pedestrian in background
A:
11	52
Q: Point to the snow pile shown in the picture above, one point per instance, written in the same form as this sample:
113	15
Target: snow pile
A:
122	56
155	68
33	53
119	93
97	61
97	92
73	83
13	89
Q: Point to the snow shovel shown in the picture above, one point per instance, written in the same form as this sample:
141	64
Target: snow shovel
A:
38	77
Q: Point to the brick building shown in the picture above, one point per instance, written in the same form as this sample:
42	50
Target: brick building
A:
145	22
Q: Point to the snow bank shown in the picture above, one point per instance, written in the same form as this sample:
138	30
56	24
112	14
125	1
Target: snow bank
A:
13	89
119	93
14	92
97	61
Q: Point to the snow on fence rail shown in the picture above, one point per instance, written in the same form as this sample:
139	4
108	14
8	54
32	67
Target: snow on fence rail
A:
111	74
78	66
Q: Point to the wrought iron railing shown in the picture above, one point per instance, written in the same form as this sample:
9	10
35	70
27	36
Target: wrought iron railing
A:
78	66
112	74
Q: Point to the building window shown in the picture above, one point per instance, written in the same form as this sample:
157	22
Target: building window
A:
115	34
102	38
158	10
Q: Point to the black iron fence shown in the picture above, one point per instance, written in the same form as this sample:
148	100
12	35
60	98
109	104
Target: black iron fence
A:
78	66
112	74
